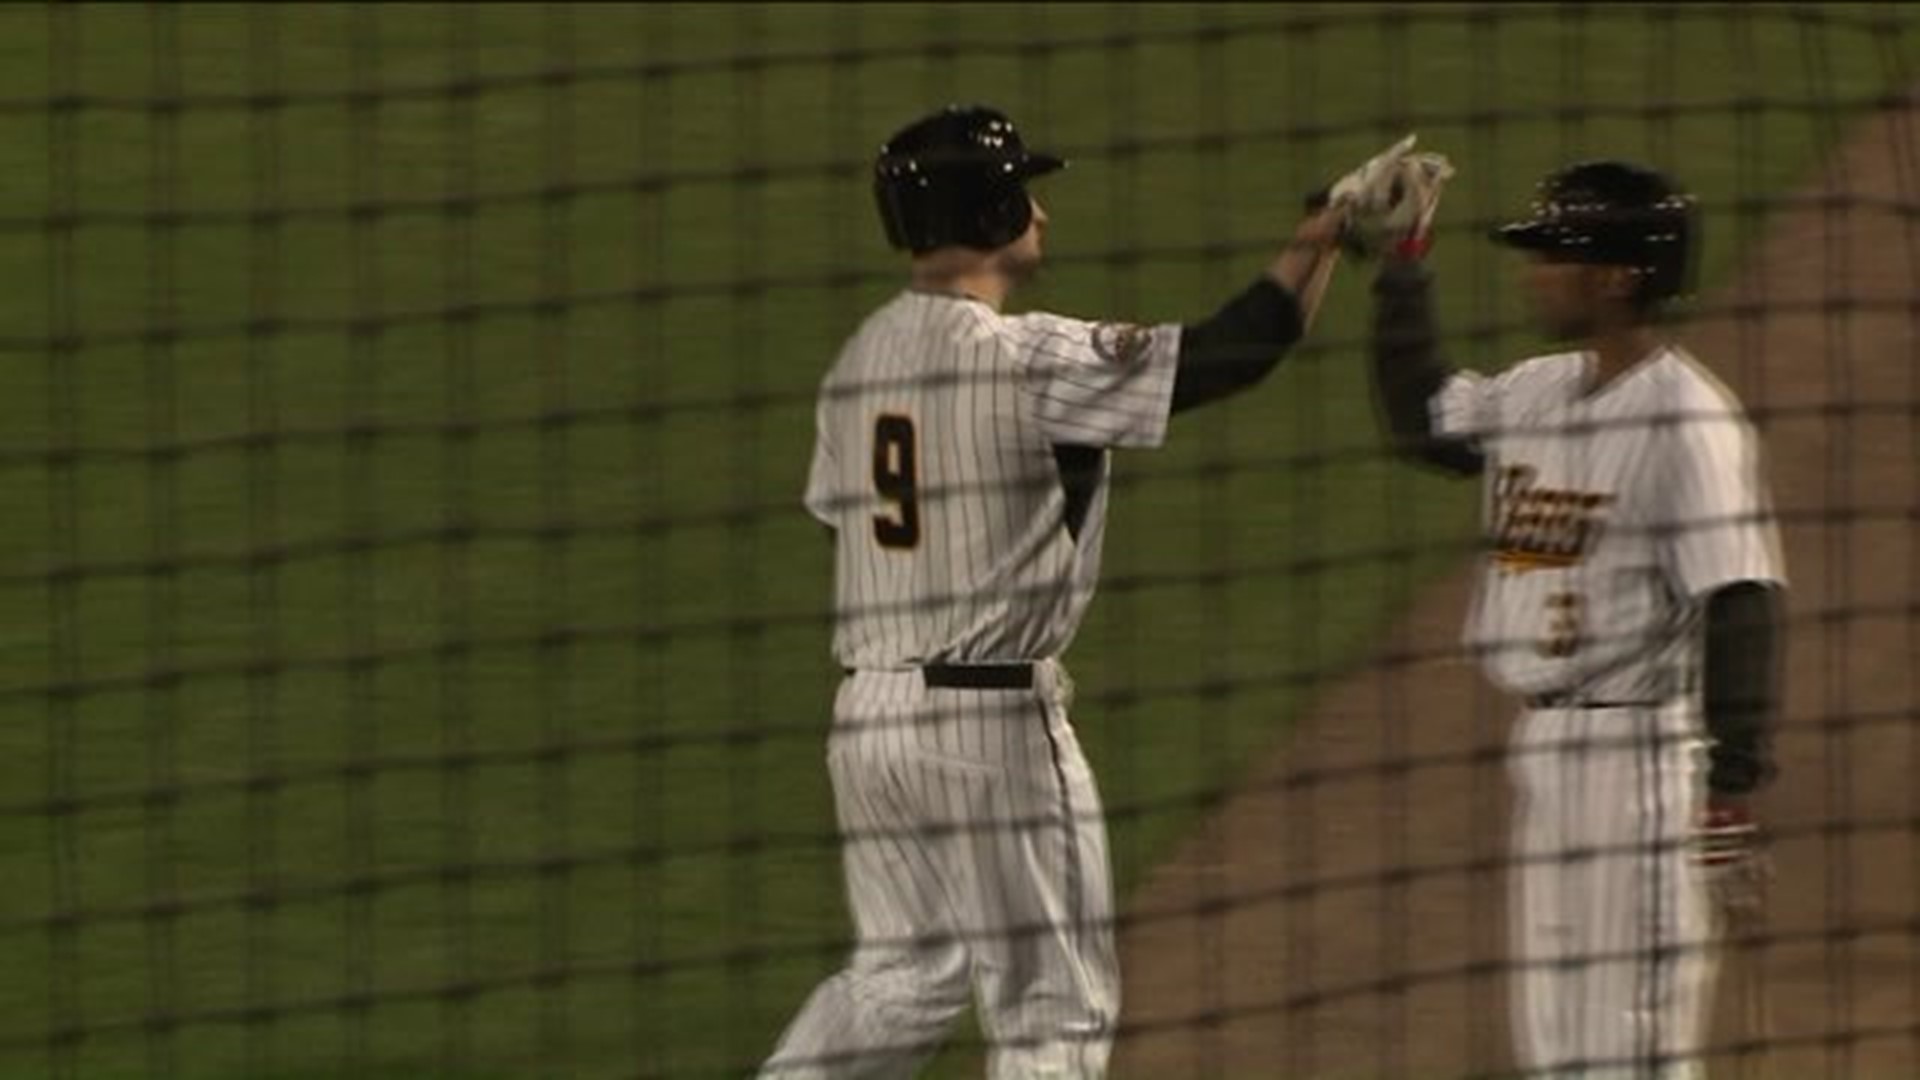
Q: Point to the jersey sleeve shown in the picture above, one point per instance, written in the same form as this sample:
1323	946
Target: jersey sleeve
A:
1465	407
1097	384
822	473
1717	508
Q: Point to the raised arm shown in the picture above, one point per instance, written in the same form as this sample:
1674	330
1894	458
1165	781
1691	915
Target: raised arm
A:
1240	344
1408	372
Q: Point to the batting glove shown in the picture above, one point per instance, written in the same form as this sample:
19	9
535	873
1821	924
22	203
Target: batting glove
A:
1390	201
1730	847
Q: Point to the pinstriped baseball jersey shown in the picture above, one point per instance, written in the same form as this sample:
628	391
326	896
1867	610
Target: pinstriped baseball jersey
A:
1610	516
938	462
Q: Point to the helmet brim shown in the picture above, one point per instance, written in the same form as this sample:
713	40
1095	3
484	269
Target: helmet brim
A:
1558	243
1037	165
1527	236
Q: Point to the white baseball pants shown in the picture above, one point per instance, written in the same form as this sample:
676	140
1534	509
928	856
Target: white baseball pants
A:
975	855
1611	923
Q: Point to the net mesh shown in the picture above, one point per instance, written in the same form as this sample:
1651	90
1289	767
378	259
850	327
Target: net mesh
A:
415	659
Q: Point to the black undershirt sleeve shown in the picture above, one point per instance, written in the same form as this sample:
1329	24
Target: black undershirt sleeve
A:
1408	370
1237	346
1746	630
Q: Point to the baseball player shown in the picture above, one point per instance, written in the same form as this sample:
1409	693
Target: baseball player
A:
961	463
1630	598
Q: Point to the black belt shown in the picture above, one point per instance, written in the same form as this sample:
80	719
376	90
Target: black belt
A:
1565	700
979	676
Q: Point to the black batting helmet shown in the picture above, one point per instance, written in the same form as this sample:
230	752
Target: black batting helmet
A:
1618	214
957	177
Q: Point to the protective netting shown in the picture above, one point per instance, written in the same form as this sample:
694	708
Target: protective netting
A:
415	659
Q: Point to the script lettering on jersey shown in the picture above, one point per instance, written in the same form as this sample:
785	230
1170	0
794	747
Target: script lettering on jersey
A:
1542	528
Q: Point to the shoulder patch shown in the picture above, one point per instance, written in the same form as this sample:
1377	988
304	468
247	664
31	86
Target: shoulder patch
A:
1123	344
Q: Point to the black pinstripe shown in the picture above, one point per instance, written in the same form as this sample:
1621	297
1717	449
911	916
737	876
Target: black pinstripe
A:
1076	901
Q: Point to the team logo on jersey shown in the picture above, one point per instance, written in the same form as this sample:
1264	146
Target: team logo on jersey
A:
1542	528
1121	343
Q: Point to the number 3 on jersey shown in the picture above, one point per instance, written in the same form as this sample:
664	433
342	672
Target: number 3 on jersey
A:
896	479
1565	611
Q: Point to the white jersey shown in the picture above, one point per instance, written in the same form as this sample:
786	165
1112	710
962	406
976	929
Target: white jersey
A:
936	464
1610	517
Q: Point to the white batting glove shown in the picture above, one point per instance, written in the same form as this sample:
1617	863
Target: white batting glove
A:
1390	201
1350	188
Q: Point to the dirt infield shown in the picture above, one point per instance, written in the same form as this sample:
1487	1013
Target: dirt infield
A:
1340	919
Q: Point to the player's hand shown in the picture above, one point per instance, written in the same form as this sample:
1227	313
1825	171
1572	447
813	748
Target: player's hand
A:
1356	185
1390	201
1321	229
1730	848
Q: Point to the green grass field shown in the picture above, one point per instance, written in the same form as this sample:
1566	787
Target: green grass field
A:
407	601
